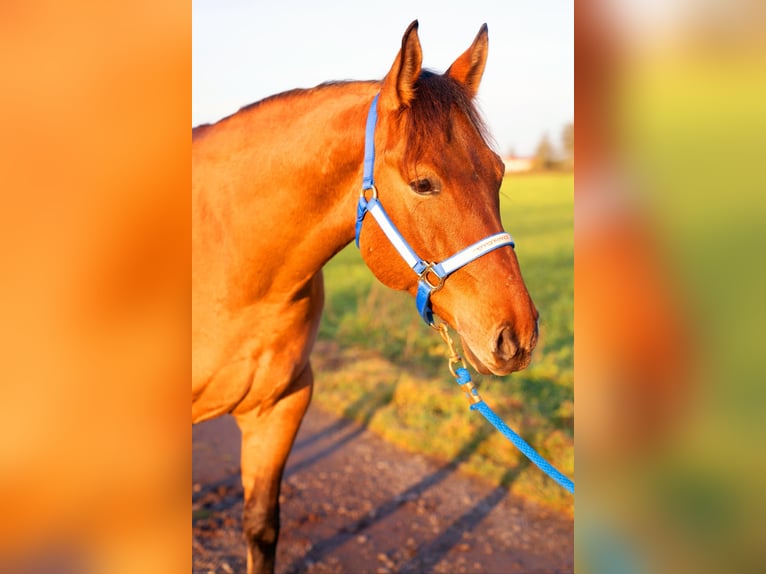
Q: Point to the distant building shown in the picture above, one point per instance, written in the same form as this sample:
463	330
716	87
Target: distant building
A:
515	164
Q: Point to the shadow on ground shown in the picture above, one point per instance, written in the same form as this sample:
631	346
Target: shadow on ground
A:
352	503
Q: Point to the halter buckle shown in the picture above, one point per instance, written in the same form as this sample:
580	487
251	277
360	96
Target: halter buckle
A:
427	273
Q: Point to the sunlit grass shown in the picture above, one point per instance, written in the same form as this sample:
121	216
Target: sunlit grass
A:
378	363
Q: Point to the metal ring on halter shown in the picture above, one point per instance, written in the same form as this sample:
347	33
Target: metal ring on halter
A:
423	276
374	192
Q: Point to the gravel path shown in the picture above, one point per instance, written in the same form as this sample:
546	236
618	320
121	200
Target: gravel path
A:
352	503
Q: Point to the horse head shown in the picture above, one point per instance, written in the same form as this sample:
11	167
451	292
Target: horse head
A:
439	180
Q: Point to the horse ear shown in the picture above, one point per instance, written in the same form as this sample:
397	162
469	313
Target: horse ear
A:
469	67
398	88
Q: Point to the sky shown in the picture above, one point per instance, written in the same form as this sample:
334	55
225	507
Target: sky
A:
243	51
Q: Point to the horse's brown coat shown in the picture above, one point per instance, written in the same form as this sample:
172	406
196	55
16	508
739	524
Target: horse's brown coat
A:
274	197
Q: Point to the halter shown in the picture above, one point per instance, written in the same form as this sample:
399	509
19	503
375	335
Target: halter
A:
431	275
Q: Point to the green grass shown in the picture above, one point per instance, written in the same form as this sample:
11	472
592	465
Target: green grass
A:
377	363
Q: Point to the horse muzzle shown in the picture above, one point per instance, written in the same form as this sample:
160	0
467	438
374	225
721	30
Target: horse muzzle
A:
506	352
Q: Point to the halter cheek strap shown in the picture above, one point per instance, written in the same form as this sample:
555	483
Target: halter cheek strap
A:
431	276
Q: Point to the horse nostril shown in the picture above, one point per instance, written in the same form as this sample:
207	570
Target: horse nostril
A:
506	344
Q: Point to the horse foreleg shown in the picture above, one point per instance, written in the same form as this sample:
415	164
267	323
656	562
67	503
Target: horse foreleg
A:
267	437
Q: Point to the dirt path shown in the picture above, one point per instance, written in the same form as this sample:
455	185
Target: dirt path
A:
352	503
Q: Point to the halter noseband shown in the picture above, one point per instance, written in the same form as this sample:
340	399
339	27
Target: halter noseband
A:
431	276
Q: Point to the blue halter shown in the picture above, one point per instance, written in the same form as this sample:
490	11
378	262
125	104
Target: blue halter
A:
431	276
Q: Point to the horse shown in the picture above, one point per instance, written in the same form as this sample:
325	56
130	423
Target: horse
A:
276	194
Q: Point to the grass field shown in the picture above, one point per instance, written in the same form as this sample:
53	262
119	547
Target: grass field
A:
378	363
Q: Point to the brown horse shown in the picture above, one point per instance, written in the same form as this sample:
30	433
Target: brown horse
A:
274	195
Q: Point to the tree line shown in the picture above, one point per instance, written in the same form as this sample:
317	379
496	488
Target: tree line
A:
548	157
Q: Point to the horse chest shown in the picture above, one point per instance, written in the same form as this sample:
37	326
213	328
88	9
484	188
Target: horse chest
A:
248	360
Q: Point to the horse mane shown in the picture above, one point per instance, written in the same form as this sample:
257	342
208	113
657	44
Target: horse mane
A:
296	92
437	98
200	130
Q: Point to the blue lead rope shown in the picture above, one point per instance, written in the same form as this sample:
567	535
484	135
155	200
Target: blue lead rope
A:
463	377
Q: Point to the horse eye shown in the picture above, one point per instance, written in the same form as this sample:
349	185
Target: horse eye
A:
424	186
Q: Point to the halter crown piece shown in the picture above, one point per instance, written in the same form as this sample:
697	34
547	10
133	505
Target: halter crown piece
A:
431	276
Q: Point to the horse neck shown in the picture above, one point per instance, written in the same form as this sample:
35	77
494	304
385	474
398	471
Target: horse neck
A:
292	169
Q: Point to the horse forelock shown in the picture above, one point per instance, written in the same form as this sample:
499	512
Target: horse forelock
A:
431	114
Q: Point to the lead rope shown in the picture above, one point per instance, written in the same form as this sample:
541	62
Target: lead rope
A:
463	378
